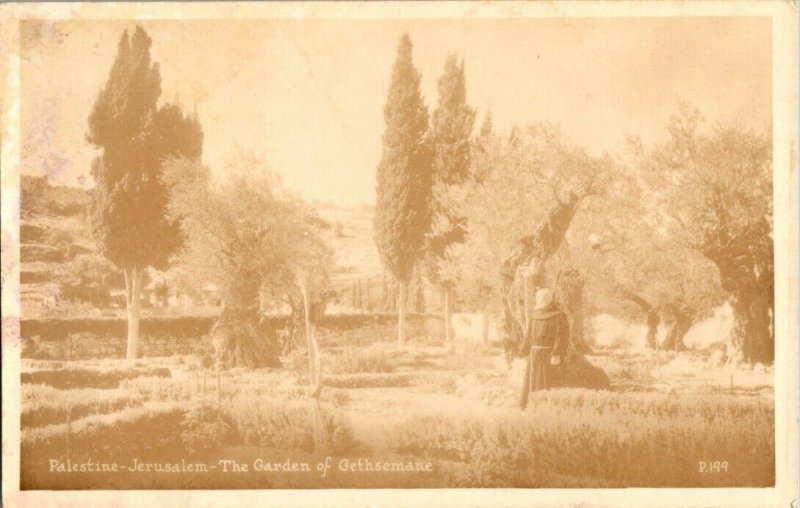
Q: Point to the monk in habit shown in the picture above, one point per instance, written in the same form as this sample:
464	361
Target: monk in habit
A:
545	346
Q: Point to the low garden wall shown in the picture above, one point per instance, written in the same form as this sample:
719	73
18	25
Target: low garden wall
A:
82	338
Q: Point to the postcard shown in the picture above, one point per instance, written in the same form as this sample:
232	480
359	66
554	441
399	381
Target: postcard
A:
400	254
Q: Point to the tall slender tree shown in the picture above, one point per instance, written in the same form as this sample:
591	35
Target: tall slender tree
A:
129	200
402	216
450	141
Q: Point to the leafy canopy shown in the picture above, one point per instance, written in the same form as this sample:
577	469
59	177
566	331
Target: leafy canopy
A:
246	234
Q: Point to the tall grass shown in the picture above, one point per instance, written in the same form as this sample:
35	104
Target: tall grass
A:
600	439
44	405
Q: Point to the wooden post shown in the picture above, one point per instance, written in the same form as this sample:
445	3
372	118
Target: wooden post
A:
402	289
315	371
134	310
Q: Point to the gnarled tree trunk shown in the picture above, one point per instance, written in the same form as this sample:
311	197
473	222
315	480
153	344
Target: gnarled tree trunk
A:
747	273
239	342
532	251
753	326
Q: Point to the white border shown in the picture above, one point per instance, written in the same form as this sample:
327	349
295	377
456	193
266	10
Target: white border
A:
784	21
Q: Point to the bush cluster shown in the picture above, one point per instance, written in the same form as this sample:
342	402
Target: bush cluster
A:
267	422
356	360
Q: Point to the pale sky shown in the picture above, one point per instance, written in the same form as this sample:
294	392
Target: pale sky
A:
307	96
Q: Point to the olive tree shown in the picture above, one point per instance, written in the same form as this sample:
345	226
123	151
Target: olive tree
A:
713	186
245	233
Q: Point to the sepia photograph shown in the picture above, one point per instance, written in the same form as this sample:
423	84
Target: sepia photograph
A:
399	252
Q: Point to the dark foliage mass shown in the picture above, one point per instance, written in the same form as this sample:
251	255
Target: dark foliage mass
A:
402	213
135	135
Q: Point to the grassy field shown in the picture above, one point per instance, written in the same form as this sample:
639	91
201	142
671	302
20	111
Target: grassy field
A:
661	423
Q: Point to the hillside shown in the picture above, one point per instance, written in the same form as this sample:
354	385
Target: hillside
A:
354	249
54	230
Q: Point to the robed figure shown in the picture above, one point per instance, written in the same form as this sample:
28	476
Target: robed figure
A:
544	346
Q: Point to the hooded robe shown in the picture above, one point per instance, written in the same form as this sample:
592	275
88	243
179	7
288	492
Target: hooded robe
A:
547	336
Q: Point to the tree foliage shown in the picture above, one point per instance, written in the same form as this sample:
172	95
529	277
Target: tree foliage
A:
714	187
633	264
245	233
90	278
135	135
128	206
250	237
403	187
514	183
451	144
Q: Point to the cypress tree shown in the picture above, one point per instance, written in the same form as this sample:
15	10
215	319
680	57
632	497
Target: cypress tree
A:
128	207
451	126
450	140
403	187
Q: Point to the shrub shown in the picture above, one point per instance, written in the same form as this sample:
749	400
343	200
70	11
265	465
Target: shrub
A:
44	405
355	360
119	434
150	433
180	327
160	389
38	195
57	237
31	233
369	380
37	276
33	364
266	422
204	429
89	278
40	252
296	362
71	377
